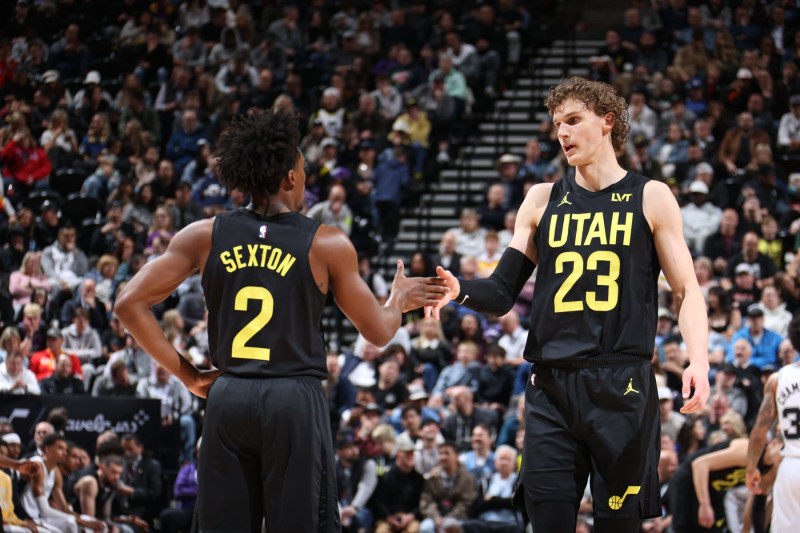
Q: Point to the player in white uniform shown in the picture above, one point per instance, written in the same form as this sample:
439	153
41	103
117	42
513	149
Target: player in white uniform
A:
36	495
781	403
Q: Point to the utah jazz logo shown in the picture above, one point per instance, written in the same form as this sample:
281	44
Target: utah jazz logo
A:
617	197
262	232
630	388
564	201
615	502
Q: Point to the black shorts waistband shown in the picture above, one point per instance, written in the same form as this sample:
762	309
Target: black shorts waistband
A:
595	361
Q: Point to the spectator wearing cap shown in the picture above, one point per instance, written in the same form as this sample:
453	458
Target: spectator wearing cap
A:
763	267
701	218
725	382
331	112
744	291
43	362
697	101
447	493
334	211
387	97
48	225
397	496
183	146
739	143
83	98
764	343
356	480
15	378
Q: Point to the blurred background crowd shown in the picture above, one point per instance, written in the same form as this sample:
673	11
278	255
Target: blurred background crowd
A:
112	110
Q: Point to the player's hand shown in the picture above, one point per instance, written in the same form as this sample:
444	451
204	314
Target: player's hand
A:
453	288
705	515
754	481
413	293
695	376
202	382
30	468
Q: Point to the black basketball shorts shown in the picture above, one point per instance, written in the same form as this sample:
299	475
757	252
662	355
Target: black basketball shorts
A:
601	422
267	454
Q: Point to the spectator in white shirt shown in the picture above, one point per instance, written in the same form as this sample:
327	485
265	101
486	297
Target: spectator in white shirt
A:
789	128
513	339
15	378
701	218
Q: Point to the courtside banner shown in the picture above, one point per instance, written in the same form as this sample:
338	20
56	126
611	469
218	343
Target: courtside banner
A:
88	416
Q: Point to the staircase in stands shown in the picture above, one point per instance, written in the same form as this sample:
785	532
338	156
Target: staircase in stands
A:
514	119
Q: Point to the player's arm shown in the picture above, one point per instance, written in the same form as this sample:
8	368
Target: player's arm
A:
185	255
767	414
333	249
86	488
732	456
664	216
497	293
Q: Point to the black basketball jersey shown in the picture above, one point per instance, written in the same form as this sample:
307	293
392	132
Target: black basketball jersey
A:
264	307
595	288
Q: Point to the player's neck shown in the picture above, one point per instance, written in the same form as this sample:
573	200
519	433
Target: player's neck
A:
268	206
601	172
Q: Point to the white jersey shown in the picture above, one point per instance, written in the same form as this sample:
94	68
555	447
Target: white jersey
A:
28	499
787	401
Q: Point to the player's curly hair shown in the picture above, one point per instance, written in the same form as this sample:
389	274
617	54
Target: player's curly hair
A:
257	150
600	98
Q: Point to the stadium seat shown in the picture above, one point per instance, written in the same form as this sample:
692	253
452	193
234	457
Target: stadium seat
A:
66	181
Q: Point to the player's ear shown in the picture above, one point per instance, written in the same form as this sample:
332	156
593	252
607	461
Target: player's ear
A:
609	119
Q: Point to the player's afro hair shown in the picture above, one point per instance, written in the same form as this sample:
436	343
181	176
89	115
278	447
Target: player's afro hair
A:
257	150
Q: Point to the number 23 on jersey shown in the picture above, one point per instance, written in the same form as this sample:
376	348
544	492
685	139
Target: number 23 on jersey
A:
591	267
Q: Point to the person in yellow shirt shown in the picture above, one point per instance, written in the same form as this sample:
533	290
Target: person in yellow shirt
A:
416	124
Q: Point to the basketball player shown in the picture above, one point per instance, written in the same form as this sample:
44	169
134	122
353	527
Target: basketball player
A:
266	270
782	403
600	239
700	484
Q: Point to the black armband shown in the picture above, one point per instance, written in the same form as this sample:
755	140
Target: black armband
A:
497	294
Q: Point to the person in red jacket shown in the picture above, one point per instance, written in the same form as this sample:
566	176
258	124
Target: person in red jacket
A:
26	165
43	363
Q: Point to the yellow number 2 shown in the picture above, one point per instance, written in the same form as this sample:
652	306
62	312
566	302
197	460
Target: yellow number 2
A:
609	281
240	348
